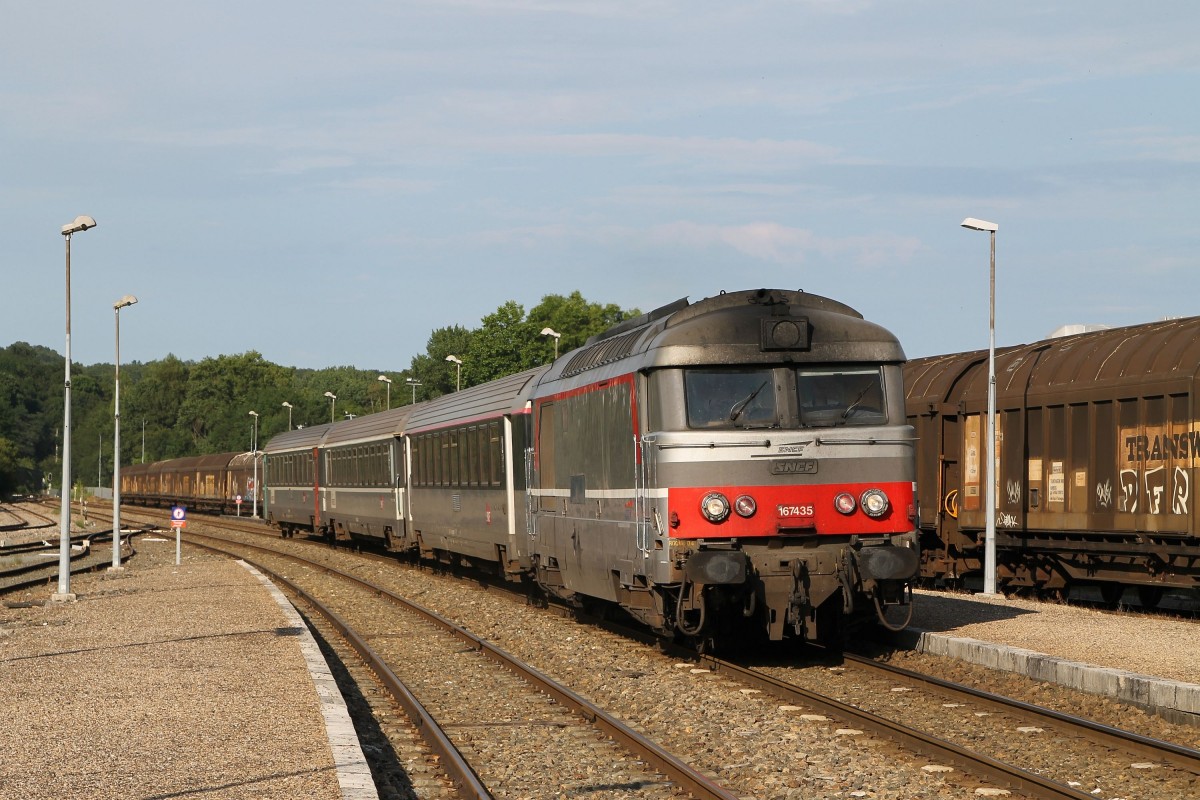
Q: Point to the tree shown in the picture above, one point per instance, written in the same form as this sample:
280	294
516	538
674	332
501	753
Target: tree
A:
14	474
153	395
438	375
504	344
575	319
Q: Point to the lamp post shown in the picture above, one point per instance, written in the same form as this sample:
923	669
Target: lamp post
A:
81	223
124	302
254	456
388	381
989	551
556	335
457	371
414	383
332	404
288	406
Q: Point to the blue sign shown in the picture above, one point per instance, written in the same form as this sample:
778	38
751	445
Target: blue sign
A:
178	513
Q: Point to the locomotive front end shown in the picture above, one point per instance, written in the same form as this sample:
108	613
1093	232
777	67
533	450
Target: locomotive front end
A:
777	440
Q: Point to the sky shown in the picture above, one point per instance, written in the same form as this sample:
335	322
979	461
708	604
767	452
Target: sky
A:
327	183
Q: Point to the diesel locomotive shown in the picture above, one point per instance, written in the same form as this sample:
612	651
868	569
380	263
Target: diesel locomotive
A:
736	467
1096	454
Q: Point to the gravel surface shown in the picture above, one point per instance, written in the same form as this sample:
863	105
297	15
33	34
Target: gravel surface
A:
1146	644
161	681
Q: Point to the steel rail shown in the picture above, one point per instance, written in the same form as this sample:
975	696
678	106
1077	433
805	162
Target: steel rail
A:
978	764
81	562
1178	756
680	772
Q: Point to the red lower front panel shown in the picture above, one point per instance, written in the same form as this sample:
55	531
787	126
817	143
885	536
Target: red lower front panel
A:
790	509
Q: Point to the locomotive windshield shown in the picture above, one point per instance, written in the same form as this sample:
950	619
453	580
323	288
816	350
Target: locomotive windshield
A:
724	398
765	397
833	396
820	397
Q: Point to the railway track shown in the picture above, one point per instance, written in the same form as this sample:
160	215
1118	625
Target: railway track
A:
1151	769
23	517
541	704
29	564
979	730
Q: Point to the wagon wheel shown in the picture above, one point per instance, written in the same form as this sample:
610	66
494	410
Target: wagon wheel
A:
1111	593
1150	596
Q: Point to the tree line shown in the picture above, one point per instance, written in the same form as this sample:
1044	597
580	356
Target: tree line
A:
172	408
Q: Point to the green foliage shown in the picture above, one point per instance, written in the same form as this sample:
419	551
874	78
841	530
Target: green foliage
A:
172	408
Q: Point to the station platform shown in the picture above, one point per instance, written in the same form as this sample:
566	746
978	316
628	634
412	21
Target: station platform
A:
1149	661
171	681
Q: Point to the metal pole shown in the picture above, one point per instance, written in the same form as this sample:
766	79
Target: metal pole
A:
989	555
116	534
254	455
64	517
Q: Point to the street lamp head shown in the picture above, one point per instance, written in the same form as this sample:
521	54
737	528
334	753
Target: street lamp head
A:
413	382
286	404
454	359
550	332
331	395
385	379
254	413
81	223
127	300
980	225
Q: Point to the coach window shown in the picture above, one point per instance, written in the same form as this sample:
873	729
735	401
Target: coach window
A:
495	454
479	476
464	475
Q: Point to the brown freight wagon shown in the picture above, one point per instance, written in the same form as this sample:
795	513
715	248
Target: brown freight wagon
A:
205	483
1097	449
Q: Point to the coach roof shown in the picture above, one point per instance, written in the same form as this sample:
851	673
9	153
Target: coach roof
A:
506	395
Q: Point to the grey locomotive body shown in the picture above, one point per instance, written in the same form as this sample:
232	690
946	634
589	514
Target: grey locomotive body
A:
688	466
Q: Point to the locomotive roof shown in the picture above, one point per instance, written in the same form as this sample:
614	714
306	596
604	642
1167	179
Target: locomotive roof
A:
730	329
502	396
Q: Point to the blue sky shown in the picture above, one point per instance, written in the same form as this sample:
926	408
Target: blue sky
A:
327	183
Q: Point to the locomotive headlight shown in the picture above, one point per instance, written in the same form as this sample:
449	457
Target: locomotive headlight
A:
874	502
745	506
714	506
844	503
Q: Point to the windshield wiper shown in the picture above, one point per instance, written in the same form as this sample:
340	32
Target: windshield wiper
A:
740	405
857	400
